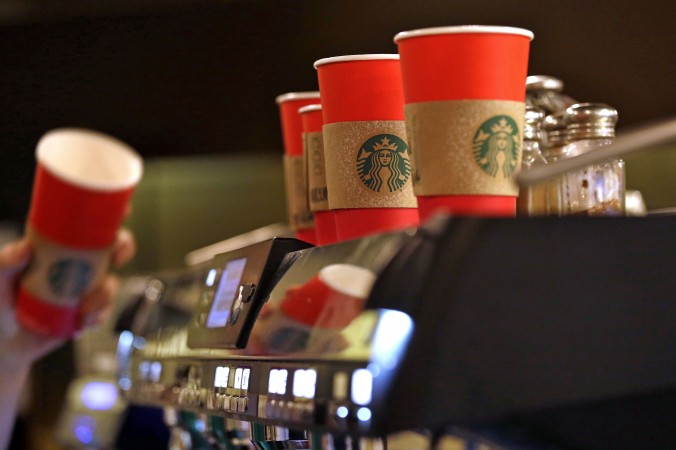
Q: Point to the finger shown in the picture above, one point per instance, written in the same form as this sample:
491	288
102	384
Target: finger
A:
98	300
15	255
33	346
125	248
98	317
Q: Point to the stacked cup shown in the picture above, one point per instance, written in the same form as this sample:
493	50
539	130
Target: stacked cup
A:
295	172
465	90
368	169
83	184
313	141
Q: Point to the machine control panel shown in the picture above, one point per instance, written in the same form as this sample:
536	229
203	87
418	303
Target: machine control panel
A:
310	360
235	288
312	394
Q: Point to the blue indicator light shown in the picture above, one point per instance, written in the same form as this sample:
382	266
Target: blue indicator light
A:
126	338
98	395
342	412
200	426
211	277
83	428
364	414
83	434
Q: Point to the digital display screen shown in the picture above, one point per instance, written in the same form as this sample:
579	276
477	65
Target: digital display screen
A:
362	386
238	378
228	289
221	377
277	381
304	383
245	378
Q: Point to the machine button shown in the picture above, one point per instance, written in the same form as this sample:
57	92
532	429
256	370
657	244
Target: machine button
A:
202	319
262	406
237	308
248	290
270	409
308	411
340	413
340	384
205	298
243	404
234	400
297	413
287	411
202	395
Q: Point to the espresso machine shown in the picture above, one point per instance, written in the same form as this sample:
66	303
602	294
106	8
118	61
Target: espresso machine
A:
468	333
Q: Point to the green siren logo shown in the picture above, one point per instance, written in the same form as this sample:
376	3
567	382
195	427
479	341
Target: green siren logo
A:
496	146
383	164
69	277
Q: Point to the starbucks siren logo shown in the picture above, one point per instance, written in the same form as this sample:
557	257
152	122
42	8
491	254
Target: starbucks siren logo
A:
496	146
383	164
69	277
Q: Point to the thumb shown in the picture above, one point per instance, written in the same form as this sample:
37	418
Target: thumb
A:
14	257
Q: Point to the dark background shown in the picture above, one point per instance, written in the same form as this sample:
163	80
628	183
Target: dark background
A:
192	78
200	77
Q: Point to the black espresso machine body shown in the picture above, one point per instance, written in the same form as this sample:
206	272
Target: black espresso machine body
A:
545	333
271	345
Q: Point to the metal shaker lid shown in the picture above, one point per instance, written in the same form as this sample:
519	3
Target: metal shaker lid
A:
555	129
545	92
591	120
532	125
543	83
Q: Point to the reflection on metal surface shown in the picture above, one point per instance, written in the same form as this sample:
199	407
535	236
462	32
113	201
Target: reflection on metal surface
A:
640	139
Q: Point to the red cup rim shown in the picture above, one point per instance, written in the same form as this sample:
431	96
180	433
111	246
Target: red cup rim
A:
59	149
309	108
290	96
351	58
464	29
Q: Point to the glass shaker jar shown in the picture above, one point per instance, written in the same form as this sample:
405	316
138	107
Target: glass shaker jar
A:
546	93
598	190
555	138
532	200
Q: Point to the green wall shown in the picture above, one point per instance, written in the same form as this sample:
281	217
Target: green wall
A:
654	174
185	203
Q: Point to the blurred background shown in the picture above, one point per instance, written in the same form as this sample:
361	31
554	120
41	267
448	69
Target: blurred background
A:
191	85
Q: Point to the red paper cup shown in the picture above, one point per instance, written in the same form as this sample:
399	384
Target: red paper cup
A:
308	235
367	163
83	184
311	316
332	298
465	101
300	216
325	222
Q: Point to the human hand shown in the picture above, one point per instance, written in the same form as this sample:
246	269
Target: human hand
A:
21	347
